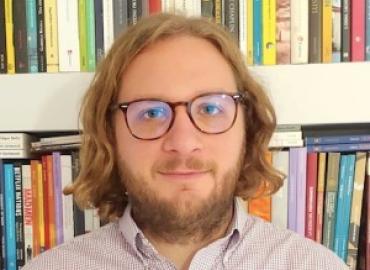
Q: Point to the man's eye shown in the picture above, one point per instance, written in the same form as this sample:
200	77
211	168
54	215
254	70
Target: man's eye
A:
210	109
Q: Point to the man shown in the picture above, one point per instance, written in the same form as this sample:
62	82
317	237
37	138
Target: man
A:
174	129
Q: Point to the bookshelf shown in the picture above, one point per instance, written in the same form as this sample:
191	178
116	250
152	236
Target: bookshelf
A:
312	94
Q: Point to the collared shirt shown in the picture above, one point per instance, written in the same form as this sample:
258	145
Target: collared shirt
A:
250	243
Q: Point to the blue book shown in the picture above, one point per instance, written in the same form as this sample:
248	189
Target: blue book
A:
32	36
9	202
2	224
339	147
345	190
257	32
346	139
367	27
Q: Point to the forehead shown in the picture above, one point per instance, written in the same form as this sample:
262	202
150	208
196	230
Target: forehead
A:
177	68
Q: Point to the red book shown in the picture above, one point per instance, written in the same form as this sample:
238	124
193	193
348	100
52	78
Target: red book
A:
154	6
357	30
311	192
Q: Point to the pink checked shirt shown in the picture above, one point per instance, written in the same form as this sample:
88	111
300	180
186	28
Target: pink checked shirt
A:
250	244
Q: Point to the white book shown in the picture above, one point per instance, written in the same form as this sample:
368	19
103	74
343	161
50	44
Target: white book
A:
279	211
15	140
68	37
299	31
96	220
281	143
287	135
168	6
15	153
89	220
196	8
243	28
108	27
27	211
67	201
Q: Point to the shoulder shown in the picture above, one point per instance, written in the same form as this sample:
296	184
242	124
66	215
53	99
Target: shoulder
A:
102	249
280	247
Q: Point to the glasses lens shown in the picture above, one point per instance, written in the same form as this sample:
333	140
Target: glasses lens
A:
148	119
213	113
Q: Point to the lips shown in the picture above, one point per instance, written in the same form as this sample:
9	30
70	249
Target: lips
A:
183	173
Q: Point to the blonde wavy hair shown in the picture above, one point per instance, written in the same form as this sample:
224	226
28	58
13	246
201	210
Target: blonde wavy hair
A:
98	184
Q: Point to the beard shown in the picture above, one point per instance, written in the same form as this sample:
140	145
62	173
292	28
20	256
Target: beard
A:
181	220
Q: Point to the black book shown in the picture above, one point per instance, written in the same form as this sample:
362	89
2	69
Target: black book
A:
315	32
19	227
134	11
345	28
119	17
41	36
99	31
3	66
20	36
78	214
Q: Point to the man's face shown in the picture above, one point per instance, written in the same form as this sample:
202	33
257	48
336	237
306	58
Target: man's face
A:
185	174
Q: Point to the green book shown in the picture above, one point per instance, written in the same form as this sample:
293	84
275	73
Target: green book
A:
90	35
83	33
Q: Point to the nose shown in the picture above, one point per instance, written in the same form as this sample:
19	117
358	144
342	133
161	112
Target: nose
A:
183	137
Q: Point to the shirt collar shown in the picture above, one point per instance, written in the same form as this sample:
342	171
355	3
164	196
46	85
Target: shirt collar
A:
135	237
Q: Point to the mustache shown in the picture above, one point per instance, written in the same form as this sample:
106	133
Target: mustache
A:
190	163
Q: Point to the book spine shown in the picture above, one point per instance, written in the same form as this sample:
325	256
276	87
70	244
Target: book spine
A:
20	36
36	229
27	211
82	30
58	198
299	32
250	41
78	214
40	205
207	7
99	31
9	37
337	139
331	199
320	196
357	30
257	32
311	196
108	25
301	189
15	153
67	201
32	36
41	36
90	35
315	31
50	200
2	217
69	46
47	216
155	6
354	227
119	17
345	31
336	37
10	233
243	28
19	225
327	31
232	18
51	35
14	140
283	32
269	32
3	65
292	189
339	147
367	27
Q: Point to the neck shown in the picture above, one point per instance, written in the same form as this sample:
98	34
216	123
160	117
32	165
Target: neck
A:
181	253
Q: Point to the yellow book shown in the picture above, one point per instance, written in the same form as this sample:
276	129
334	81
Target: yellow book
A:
218	11
83	34
9	35
327	35
51	35
40	208
269	32
249	32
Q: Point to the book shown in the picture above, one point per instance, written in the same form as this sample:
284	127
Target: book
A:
332	177
207	7
155	6
67	201
90	35
69	44
51	35
345	31
367	27
2	216
9	36
250	28
3	64
315	31
58	207
346	139
19	224
299	32
41	46
218	11
15	153
311	196
108	28
350	147
15	141
269	32
354	228
292	189
27	211
283	32
327	30
31	36
257	32
35	209
243	27
301	189
99	30
119	17
82	30
337	34
232	18
357	30
20	36
320	196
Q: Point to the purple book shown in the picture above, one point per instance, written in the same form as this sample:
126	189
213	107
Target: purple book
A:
58	198
301	190
292	189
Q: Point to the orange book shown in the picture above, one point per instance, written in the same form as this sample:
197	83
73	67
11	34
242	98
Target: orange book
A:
36	231
40	206
261	206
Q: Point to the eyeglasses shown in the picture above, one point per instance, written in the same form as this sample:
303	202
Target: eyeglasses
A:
150	119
